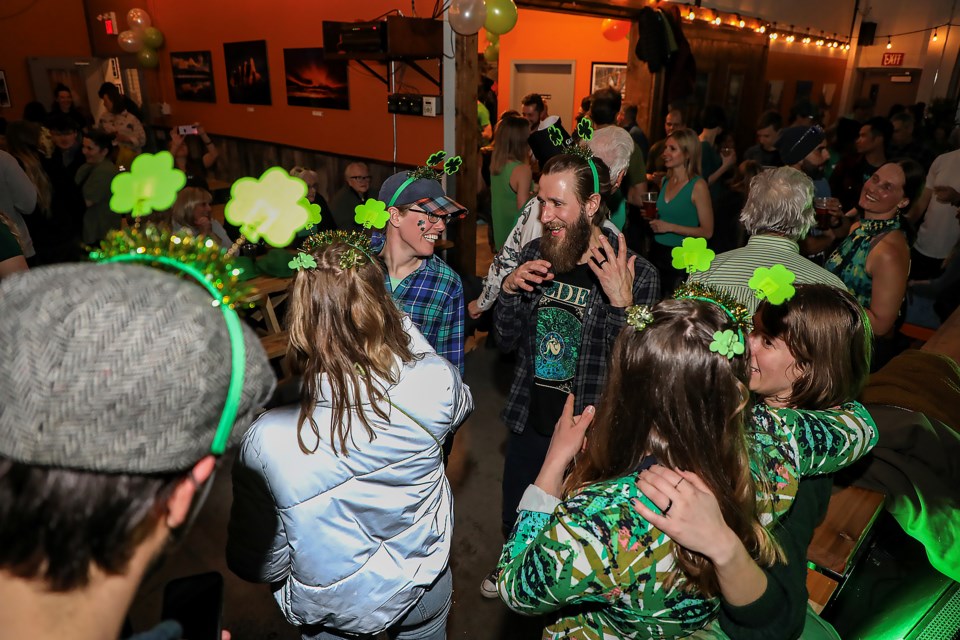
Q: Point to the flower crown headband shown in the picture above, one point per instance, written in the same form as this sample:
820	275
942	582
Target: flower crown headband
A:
584	132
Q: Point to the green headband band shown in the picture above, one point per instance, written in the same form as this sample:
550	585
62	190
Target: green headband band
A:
406	183
238	352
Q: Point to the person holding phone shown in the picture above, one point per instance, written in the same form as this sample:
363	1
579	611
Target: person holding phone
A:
193	153
341	503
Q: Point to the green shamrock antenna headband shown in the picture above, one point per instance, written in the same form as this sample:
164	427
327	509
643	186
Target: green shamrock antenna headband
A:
585	133
433	170
216	276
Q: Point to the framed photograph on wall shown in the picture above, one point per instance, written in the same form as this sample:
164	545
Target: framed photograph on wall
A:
608	74
193	76
314	82
248	77
4	91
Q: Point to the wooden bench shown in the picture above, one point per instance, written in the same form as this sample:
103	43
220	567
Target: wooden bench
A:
838	541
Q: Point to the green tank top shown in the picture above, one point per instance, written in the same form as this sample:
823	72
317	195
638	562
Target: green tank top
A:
680	210
503	204
849	261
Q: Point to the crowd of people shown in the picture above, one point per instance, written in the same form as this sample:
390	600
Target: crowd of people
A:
675	415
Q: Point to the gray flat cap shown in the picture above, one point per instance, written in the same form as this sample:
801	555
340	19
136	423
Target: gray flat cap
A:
117	368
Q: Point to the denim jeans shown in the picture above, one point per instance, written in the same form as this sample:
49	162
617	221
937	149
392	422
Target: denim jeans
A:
426	621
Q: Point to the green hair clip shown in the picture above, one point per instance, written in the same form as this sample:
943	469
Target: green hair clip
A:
639	316
775	285
358	253
303	261
693	255
727	343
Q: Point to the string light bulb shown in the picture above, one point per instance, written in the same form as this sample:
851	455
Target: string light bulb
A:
741	22
934	34
889	44
717	21
692	15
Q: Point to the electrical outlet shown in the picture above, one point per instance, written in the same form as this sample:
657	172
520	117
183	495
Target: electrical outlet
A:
430	104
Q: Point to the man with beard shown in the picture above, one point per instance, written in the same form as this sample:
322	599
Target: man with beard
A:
112	386
561	310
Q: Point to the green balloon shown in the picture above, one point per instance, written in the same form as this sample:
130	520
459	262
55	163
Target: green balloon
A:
148	58
153	37
501	16
492	37
492	52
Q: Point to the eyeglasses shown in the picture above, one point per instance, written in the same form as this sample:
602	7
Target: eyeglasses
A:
359	178
434	218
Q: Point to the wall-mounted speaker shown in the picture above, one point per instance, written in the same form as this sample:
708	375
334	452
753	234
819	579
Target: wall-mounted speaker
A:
868	30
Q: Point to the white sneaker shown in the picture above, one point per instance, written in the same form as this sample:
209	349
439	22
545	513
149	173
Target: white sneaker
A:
488	588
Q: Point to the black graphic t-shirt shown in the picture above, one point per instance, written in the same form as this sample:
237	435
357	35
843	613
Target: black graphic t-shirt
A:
559	329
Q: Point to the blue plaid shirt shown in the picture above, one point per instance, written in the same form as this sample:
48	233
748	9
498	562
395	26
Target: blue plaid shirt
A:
515	322
433	298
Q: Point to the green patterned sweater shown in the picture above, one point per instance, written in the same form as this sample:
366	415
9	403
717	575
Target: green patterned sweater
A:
602	567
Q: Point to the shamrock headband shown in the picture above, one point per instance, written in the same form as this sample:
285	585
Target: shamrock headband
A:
726	342
358	253
201	259
433	170
584	132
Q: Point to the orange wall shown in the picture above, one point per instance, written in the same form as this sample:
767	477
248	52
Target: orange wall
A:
365	130
793	67
542	35
44	28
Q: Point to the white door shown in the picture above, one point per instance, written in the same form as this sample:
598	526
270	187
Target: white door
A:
553	80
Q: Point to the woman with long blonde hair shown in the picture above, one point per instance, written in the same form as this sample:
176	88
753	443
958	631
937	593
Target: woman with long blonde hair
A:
677	396
684	208
342	502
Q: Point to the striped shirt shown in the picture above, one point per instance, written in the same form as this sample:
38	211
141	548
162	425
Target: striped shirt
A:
732	270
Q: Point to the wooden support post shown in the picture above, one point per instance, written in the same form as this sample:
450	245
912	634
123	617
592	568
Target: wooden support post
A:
463	257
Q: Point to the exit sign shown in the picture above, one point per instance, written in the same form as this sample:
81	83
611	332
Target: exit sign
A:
892	60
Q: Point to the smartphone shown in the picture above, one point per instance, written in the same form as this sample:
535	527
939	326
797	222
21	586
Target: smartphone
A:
196	602
187	130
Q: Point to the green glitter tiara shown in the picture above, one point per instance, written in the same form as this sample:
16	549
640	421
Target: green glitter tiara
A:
202	259
437	165
585	133
358	252
727	342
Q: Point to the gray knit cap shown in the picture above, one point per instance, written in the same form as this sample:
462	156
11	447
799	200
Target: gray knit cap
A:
117	368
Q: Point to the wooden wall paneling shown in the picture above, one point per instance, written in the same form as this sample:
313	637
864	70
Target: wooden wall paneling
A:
463	257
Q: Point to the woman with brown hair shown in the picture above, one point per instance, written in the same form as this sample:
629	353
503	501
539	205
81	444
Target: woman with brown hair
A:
342	502
677	396
510	176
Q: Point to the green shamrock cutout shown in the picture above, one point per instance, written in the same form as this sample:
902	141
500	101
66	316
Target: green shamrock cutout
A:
313	213
585	129
151	185
693	255
555	135
639	316
270	207
303	261
452	165
775	285
727	343
436	158
372	213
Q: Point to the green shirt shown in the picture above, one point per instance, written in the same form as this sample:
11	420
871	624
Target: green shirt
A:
603	566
